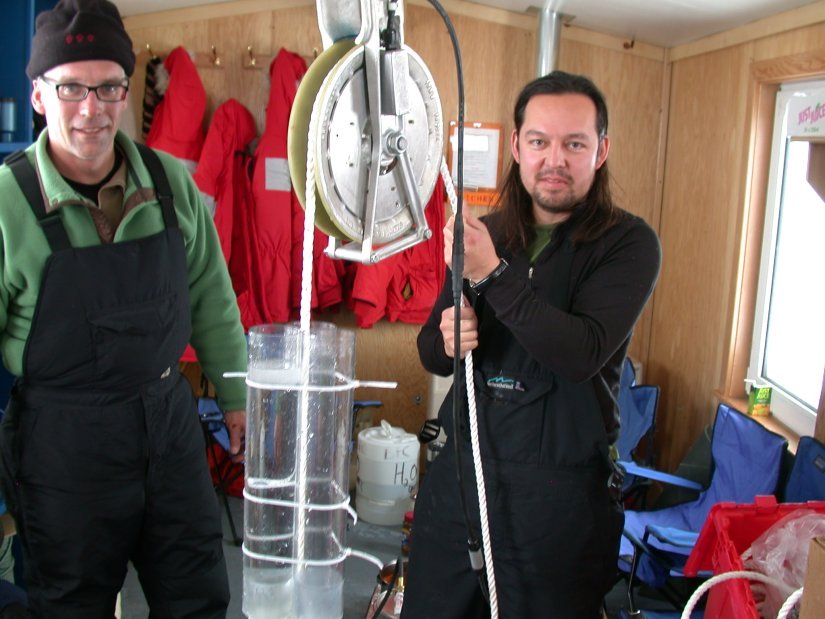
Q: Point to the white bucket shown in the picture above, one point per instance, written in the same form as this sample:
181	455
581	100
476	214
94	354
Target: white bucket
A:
387	474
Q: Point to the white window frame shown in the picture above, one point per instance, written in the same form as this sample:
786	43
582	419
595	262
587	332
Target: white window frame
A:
790	411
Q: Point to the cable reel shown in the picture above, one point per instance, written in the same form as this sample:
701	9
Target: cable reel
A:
375	110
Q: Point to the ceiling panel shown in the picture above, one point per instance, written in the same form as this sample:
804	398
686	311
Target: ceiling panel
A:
666	23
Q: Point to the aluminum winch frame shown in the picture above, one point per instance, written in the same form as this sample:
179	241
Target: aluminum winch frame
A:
387	69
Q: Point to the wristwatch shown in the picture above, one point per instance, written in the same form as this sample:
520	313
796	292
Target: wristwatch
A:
480	286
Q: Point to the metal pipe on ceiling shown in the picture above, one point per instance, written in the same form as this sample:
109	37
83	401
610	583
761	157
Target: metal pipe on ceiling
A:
550	23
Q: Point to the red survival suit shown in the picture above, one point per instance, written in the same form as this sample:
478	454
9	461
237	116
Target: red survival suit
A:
177	124
277	214
405	286
222	176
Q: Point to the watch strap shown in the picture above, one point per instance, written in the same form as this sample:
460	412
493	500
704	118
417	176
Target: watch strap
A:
480	286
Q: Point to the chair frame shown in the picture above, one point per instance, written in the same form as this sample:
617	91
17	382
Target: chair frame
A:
222	470
644	547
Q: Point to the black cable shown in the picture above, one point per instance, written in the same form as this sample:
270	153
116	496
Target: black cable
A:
473	543
393	581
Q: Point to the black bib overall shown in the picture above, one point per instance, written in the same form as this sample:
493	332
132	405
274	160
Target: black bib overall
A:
102	449
554	528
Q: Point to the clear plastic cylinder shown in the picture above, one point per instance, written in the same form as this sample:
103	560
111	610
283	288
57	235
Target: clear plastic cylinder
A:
299	412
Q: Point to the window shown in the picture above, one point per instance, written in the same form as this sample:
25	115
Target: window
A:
788	349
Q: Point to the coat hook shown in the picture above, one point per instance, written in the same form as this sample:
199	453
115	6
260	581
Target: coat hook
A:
252	61
215	59
630	45
149	49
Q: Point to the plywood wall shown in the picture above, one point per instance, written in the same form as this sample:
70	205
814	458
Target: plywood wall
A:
706	177
498	53
698	234
632	86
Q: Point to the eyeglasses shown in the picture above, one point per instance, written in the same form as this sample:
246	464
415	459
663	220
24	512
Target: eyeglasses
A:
108	93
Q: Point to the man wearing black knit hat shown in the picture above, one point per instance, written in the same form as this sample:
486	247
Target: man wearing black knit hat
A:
109	265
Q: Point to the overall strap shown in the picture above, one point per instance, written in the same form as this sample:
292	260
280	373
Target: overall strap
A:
161	182
26	177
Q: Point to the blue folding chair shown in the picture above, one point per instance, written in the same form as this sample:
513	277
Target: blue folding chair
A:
215	433
637	415
746	463
806	481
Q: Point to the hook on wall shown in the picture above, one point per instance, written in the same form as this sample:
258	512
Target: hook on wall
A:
152	54
251	60
216	60
629	45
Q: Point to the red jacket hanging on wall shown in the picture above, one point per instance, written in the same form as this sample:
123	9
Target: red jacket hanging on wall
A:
405	286
177	123
278	215
223	178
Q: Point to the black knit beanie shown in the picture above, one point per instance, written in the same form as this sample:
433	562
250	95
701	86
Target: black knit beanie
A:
76	30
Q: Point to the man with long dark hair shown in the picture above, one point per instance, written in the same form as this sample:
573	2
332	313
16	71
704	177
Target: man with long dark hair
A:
556	278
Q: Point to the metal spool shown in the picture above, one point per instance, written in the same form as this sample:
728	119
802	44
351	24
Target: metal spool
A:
378	124
298	130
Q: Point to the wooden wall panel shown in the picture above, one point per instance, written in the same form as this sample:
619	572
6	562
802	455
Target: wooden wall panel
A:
492	79
632	87
798	41
701	207
230	36
388	352
706	184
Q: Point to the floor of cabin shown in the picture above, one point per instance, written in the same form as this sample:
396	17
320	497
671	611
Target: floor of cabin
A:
383	542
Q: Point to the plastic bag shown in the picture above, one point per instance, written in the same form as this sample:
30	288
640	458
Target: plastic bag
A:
781	553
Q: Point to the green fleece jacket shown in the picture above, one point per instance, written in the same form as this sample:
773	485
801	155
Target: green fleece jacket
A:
217	334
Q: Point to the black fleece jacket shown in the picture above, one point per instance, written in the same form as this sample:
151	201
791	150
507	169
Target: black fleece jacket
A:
564	322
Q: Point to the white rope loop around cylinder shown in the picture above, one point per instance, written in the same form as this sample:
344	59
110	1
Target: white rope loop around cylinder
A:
473	414
324	507
345	554
345	384
294	560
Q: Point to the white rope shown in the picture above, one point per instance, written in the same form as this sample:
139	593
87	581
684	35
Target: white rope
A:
344	554
471	409
344	384
719	578
448	186
305	318
787	607
321	507
309	223
358	554
292	561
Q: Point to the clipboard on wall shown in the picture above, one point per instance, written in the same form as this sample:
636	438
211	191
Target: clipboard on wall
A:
483	153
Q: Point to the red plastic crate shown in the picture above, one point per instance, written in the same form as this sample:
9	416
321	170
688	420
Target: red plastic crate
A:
729	530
